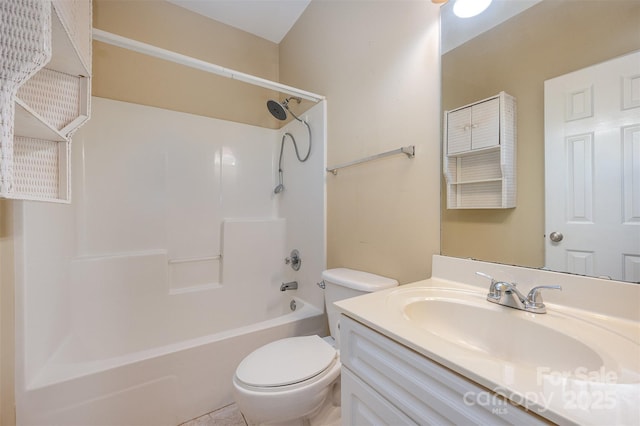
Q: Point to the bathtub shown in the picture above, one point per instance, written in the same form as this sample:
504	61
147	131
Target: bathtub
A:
138	339
156	386
135	303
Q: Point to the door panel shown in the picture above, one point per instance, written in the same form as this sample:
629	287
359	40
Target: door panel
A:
592	170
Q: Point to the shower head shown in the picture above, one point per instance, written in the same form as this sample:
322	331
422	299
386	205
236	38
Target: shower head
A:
279	109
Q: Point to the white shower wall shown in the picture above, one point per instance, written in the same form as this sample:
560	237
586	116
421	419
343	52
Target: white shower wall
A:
158	196
176	176
304	199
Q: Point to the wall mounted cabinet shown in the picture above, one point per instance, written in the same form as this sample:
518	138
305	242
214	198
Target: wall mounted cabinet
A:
50	105
479	152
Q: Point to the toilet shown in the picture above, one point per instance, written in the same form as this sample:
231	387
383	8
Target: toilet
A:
290	380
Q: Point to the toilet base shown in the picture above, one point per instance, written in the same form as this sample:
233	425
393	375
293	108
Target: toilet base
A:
328	414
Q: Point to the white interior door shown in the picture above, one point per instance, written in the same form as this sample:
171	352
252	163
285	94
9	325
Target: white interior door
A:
592	170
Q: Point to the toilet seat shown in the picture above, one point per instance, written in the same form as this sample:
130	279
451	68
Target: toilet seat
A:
286	362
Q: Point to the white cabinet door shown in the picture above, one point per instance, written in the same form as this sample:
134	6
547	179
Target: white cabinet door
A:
485	124
474	127
363	406
459	131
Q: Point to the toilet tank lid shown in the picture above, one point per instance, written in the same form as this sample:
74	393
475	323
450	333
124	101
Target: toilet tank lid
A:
358	280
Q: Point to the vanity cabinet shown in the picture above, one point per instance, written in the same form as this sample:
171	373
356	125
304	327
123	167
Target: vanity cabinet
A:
479	154
49	104
384	382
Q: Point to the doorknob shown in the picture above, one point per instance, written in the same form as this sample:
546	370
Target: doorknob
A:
556	237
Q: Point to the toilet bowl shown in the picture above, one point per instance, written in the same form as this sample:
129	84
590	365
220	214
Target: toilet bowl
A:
290	380
286	379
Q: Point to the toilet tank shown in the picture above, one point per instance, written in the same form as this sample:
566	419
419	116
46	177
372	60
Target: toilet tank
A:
343	283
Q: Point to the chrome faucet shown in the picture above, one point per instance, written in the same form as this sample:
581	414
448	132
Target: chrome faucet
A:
507	294
293	285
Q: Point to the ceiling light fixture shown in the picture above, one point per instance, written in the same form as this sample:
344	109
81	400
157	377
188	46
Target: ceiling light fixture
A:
467	8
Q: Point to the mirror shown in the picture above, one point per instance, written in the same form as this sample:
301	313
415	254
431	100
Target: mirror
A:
547	39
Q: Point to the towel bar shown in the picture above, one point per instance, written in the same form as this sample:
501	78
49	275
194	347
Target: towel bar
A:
410	152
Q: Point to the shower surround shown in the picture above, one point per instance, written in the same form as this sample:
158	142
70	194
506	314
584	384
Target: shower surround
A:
136	302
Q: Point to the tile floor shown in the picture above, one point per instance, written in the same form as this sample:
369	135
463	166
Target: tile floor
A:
226	416
231	416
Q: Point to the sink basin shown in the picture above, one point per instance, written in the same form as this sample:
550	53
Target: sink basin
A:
462	323
511	336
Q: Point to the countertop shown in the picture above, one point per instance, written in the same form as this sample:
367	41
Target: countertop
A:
578	394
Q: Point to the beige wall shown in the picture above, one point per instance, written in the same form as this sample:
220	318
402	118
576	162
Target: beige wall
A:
550	39
132	77
7	323
383	92
377	62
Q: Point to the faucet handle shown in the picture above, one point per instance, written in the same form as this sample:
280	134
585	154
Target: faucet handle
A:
294	260
487	276
534	298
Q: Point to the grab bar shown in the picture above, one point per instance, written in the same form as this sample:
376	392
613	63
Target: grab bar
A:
410	151
194	259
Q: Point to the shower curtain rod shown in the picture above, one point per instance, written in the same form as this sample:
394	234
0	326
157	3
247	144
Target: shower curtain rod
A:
168	55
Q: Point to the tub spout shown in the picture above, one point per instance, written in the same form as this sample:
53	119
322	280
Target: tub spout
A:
289	286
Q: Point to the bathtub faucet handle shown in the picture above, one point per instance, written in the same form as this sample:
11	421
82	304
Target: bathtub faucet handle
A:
294	260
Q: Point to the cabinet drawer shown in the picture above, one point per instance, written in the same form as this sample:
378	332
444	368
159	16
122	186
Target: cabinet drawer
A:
423	390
